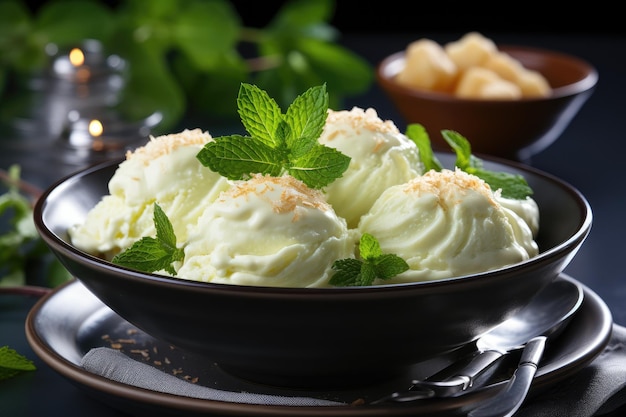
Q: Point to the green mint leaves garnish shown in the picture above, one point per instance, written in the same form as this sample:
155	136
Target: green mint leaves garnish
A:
417	133
373	264
153	254
512	185
278	143
12	363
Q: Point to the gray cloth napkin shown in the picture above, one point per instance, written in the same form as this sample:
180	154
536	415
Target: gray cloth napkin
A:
597	389
115	365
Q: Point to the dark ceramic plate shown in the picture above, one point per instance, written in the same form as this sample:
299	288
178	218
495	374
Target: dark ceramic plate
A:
68	322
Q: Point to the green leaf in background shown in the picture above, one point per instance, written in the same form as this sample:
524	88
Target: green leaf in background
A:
300	35
21	248
188	57
343	71
15	27
205	90
140	98
206	32
13	363
303	15
67	22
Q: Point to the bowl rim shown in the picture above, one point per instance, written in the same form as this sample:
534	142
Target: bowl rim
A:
55	241
390	65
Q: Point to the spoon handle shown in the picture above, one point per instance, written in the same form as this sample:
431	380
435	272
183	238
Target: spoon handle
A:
510	400
463	378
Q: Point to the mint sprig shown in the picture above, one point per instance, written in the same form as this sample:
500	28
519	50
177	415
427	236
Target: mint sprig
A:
373	264
512	185
278	143
13	363
153	254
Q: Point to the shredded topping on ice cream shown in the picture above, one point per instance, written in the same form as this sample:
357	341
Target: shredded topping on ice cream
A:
166	144
358	119
294	193
447	183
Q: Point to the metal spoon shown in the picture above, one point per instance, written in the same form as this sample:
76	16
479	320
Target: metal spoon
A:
510	400
547	314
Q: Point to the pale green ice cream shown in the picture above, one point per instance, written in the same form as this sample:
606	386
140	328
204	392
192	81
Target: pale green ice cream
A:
525	208
267	231
165	171
380	155
446	224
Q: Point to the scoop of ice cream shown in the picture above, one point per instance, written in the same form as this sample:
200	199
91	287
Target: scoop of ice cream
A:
381	157
267	231
526	208
446	224
165	171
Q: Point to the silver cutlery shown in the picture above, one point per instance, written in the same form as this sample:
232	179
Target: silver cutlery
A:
546	315
507	402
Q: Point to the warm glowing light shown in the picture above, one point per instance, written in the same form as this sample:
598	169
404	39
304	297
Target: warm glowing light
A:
95	128
77	57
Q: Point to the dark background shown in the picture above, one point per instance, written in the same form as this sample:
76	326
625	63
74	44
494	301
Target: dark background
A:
401	16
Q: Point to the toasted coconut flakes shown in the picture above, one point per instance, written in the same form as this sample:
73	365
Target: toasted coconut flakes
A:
447	182
166	144
295	194
142	352
359	118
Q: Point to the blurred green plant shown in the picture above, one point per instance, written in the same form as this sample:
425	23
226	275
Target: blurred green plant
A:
190	56
24	257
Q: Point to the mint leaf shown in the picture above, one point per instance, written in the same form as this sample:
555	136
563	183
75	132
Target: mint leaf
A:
12	363
348	273
259	113
417	133
461	146
150	254
372	265
164	229
307	116
278	143
320	166
388	265
236	157
369	248
511	185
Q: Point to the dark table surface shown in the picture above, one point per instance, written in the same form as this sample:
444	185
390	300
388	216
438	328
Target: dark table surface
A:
589	155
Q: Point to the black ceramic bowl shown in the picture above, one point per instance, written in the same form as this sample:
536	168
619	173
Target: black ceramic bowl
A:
309	337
